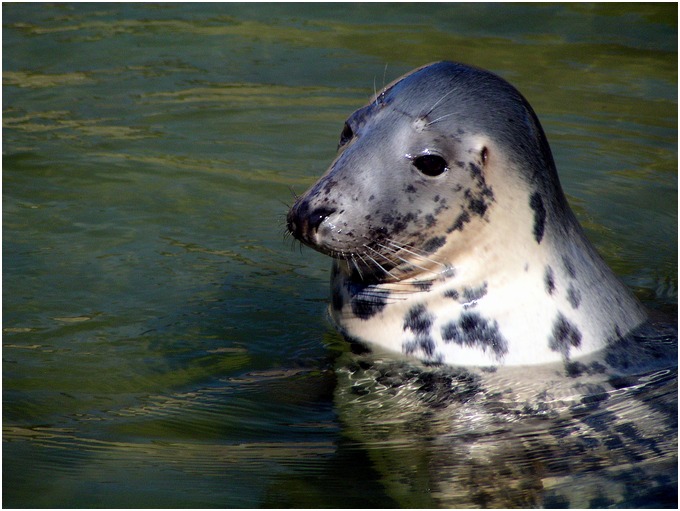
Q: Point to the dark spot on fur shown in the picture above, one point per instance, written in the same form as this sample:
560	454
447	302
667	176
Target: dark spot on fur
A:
565	335
471	294
442	206
337	295
473	331
600	422
569	267
574	369
329	185
424	343
460	222
630	431
438	388
401	222
367	301
595	397
423	285
366	308
549	280
433	244
418	320
430	221
477	206
337	301
574	297
596	368
451	293
536	203
411	189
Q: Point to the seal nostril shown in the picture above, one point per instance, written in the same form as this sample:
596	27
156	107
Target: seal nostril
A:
317	216
303	223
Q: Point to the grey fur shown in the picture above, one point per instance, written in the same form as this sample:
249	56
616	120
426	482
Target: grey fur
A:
442	158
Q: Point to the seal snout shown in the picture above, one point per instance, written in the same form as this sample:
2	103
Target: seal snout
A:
303	222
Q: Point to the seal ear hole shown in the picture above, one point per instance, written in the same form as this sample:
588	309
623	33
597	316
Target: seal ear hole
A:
430	164
346	135
484	155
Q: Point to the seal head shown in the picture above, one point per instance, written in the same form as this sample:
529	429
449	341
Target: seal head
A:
451	237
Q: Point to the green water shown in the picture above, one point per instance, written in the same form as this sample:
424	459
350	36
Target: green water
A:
163	343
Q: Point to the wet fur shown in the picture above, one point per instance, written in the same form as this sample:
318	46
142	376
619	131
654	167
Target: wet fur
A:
410	249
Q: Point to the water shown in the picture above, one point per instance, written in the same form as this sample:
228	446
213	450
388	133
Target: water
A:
163	344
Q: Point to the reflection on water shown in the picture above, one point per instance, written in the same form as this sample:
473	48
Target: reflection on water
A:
444	437
163	346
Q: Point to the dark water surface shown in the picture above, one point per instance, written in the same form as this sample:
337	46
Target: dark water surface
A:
163	344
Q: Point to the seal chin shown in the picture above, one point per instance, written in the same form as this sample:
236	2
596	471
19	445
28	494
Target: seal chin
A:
367	262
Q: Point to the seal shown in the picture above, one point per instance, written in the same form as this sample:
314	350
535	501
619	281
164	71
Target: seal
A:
451	238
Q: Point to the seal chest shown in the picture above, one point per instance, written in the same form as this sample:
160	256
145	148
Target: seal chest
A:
451	238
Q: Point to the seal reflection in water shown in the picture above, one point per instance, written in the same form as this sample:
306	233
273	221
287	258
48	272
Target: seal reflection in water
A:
453	245
451	237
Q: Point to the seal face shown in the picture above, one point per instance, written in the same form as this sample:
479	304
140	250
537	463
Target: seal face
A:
451	237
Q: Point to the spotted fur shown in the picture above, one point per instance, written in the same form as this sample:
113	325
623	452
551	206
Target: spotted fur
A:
588	434
536	204
451	238
453	244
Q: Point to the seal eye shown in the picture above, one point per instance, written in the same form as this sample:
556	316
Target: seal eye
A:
345	136
430	164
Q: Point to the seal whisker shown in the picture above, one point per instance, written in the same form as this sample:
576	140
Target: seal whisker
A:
356	265
403	260
348	264
437	102
375	91
378	97
384	75
412	250
439	119
372	261
411	263
378	264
